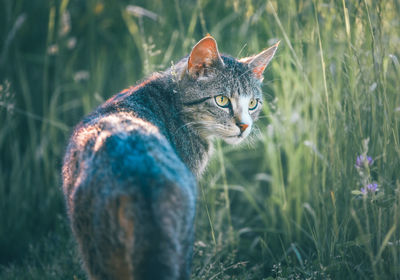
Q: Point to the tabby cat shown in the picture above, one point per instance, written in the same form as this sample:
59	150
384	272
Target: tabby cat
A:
130	169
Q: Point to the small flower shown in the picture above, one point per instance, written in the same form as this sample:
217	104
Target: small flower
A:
65	24
140	12
71	43
372	188
363	161
81	75
52	49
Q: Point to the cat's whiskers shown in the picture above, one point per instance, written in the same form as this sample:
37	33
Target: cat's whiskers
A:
263	117
188	124
202	124
255	137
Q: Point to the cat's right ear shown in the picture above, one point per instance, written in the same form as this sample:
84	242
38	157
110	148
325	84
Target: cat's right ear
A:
259	62
204	55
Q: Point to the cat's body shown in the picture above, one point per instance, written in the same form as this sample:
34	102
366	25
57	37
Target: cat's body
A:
130	168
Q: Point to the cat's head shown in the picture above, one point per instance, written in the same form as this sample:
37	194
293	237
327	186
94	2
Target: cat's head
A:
221	95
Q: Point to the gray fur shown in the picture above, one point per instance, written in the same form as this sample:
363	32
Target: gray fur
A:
129	173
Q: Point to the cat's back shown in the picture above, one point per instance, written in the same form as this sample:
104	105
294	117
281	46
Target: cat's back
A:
124	140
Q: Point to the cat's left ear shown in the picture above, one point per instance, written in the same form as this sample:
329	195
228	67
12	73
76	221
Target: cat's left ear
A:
204	55
259	62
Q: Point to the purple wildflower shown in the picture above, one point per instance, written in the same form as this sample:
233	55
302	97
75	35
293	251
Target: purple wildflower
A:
362	160
372	188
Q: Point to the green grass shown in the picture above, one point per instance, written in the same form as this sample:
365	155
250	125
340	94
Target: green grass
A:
282	207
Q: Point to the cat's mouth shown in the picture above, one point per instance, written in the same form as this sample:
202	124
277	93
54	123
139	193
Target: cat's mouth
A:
234	139
238	137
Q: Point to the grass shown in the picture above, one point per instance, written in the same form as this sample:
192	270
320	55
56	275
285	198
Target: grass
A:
286	206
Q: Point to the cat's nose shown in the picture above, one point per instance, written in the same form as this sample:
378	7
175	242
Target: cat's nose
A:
242	126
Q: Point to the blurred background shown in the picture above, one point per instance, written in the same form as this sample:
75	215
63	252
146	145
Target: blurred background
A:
315	194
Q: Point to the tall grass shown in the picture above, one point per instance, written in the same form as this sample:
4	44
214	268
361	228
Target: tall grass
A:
288	204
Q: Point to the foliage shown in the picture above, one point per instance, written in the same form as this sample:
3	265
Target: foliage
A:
297	202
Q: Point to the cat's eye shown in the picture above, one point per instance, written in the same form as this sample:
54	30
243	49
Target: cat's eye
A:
253	104
222	101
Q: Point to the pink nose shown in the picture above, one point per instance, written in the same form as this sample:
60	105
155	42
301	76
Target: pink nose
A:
243	126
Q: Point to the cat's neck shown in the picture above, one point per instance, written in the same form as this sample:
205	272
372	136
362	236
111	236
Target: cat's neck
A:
192	148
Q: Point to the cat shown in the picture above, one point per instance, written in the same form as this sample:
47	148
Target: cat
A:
130	168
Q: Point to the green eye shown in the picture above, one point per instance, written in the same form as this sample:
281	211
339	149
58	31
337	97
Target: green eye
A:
253	104
222	101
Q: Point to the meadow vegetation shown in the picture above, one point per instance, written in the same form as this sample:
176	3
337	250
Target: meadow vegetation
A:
314	194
